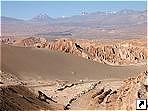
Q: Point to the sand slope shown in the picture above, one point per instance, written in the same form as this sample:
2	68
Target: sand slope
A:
29	63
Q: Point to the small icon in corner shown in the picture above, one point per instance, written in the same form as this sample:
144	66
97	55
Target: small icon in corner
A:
141	104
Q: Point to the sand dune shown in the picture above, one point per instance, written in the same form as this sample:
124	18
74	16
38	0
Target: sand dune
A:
42	64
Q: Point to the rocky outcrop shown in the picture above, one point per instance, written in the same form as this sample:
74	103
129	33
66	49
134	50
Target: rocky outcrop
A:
125	97
108	98
33	42
9	79
118	53
7	40
45	98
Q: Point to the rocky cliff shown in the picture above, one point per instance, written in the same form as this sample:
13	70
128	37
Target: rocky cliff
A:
108	52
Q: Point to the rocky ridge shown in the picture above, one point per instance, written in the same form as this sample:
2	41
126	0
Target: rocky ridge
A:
118	53
112	52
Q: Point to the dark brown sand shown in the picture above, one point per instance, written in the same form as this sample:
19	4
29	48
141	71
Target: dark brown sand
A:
42	64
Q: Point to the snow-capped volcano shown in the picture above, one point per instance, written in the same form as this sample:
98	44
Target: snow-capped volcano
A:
43	17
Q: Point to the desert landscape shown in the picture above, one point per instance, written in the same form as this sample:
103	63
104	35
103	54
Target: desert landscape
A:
92	61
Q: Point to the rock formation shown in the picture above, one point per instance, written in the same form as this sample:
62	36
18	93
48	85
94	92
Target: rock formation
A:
117	53
125	97
107	98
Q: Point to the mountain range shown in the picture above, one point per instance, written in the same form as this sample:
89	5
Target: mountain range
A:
42	23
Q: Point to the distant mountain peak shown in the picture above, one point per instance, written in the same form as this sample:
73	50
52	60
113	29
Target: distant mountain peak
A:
127	11
42	17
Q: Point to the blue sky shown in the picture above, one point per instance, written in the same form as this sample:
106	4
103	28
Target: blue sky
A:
29	9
